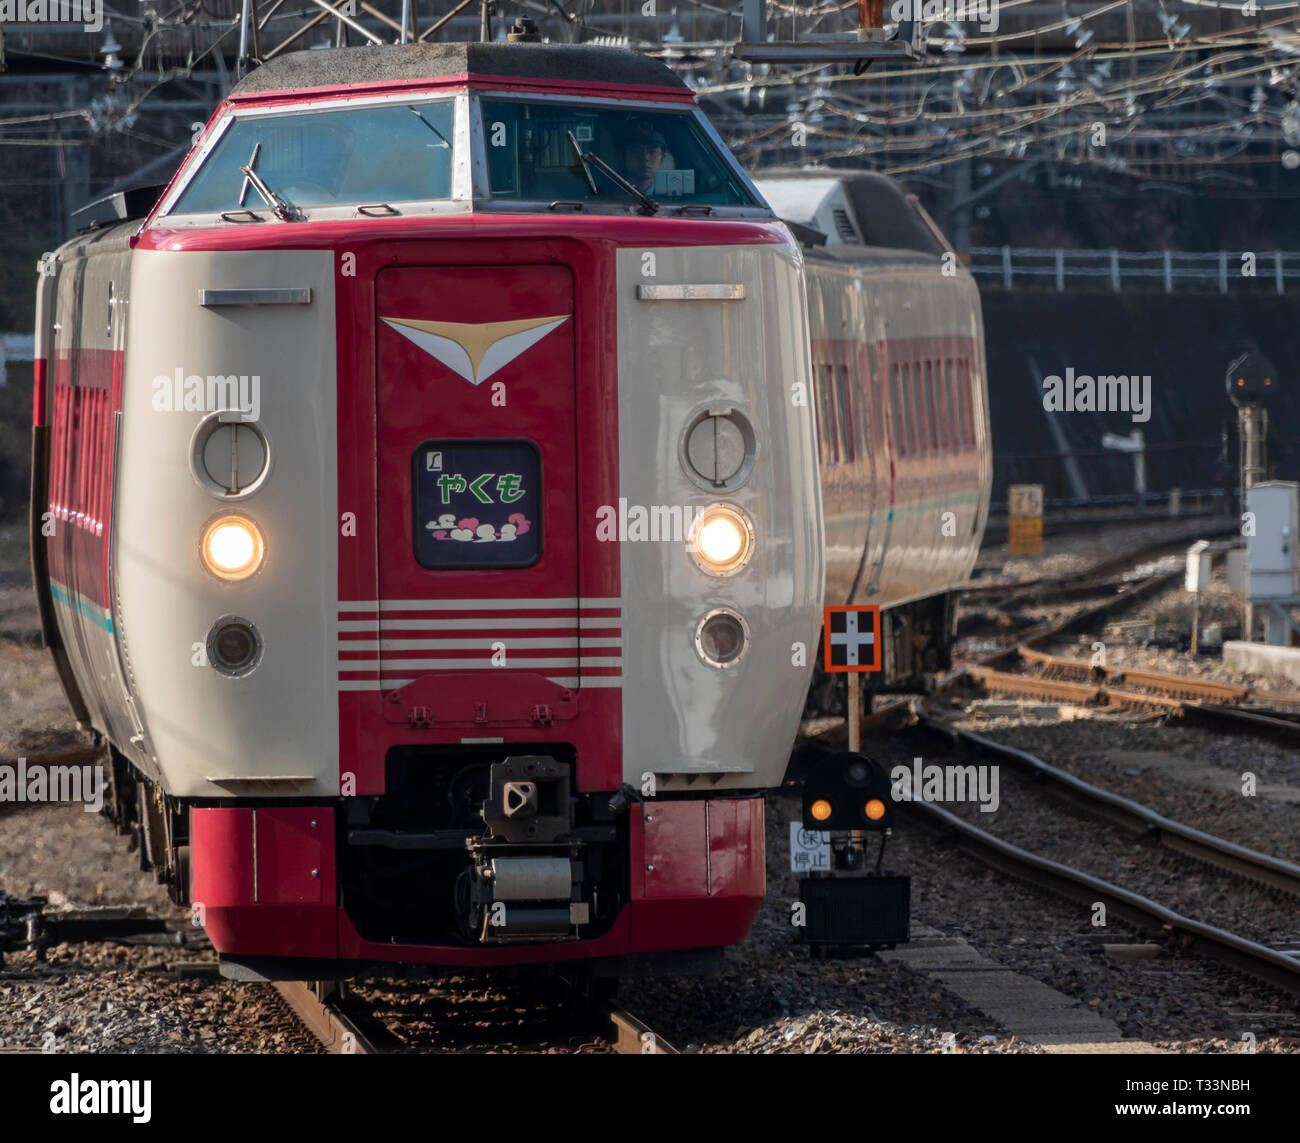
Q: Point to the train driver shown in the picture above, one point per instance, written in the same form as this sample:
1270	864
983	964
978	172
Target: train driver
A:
642	151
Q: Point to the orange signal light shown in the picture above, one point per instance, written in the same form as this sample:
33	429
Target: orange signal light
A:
875	809
820	810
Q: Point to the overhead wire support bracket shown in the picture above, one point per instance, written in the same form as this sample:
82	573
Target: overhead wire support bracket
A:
859	47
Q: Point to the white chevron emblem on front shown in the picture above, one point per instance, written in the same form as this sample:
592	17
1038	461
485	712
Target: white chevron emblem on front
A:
475	350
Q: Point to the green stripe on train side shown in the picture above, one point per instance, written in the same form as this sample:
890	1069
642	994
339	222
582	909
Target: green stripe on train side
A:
80	604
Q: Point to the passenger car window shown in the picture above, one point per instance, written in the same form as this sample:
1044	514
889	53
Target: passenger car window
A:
394	153
664	154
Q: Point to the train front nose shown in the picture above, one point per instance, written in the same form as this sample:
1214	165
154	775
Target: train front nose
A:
477	552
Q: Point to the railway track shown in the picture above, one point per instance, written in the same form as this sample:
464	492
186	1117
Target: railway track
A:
833	732
1077	681
327	1013
1260	960
334	1017
321	1013
1113	569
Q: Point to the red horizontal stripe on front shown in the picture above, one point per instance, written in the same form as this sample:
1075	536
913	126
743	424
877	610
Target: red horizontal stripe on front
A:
479	80
505	633
395	618
465	653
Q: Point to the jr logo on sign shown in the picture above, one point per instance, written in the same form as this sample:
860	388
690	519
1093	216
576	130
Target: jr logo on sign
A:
851	637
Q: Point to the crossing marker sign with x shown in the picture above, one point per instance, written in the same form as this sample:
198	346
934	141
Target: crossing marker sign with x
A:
851	638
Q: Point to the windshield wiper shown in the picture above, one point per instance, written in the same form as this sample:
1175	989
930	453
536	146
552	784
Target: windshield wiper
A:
252	162
445	141
647	204
582	162
284	210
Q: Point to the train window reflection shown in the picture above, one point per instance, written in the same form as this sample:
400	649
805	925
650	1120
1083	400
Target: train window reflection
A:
394	153
844	412
533	153
963	389
942	416
900	411
928	405
915	429
830	416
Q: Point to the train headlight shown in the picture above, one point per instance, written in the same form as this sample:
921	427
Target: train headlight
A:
722	539
232	547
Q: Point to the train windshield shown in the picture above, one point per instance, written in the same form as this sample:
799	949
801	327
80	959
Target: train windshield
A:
392	153
556	151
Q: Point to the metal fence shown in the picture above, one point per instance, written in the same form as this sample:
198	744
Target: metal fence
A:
1166	270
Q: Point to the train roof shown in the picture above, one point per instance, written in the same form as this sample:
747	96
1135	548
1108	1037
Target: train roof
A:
850	208
388	63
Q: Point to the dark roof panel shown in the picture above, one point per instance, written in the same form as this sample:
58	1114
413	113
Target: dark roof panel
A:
880	205
380	63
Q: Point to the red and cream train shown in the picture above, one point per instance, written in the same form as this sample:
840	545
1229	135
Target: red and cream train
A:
427	517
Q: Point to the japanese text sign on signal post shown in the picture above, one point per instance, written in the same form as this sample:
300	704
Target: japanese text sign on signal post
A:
851	638
1025	520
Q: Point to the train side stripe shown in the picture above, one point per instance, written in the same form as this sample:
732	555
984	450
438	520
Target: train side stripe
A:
79	603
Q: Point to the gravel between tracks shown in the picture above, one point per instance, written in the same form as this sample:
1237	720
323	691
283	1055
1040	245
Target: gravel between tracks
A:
112	997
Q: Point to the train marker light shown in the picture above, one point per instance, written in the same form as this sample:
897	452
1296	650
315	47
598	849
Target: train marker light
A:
820	810
234	646
721	539
722	638
232	547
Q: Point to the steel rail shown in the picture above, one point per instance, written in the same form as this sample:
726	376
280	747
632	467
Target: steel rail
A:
1125	813
1098	575
341	1035
324	1019
633	1037
1083	694
1183	689
1249	956
1183	686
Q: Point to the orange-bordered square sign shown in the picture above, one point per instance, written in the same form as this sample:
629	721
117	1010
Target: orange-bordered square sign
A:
851	638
